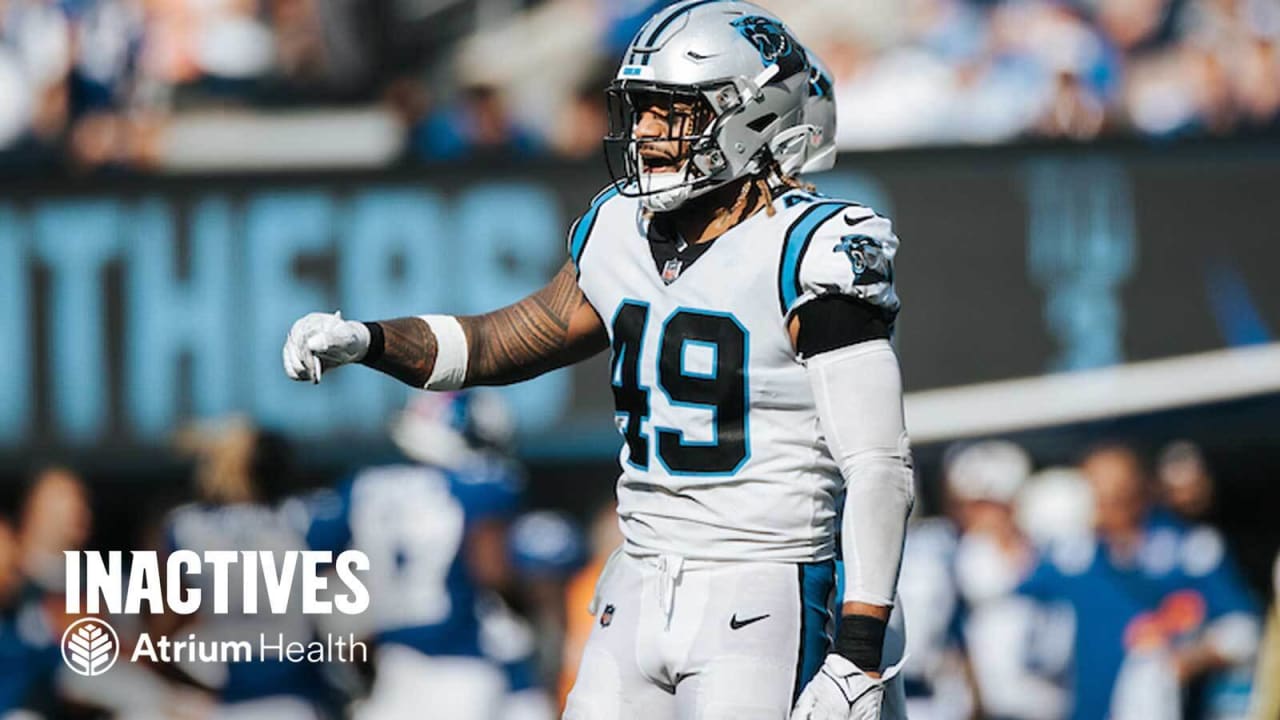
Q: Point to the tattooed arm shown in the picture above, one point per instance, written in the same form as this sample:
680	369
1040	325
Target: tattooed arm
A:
551	328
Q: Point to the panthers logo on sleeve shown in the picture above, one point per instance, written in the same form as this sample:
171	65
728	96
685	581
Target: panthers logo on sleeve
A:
774	43
866	259
839	248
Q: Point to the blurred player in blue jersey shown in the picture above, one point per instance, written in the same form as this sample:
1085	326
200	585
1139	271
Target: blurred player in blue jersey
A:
434	528
1004	633
755	385
1158	604
242	476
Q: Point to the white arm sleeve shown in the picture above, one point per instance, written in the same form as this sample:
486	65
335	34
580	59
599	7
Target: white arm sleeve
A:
858	392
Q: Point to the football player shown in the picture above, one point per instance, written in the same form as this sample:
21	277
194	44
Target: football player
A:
1004	633
749	321
433	526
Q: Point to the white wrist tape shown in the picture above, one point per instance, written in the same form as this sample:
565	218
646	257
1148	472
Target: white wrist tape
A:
450	370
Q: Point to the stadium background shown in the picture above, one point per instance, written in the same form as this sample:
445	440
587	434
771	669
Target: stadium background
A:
1079	186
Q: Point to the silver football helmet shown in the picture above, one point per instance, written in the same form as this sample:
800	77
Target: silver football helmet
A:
731	83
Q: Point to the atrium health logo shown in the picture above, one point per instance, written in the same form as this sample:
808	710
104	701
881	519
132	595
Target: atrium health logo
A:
90	647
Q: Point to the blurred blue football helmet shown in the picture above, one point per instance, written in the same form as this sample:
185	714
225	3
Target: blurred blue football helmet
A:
450	429
547	543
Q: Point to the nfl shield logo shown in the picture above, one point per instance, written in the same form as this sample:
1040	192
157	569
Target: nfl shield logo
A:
671	270
606	617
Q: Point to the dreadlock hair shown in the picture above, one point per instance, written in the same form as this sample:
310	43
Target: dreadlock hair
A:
773	178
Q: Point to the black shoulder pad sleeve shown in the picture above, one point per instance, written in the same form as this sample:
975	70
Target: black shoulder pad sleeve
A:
835	321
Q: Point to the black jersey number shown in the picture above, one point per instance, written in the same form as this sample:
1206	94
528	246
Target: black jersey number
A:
720	386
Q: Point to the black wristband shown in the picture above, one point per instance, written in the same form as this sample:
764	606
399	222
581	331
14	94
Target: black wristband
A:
377	343
860	640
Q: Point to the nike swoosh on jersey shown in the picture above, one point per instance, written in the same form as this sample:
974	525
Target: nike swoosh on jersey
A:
736	624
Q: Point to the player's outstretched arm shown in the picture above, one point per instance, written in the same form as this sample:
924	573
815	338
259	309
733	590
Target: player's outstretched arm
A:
549	329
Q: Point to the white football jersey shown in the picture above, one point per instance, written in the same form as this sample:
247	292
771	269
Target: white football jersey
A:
723	457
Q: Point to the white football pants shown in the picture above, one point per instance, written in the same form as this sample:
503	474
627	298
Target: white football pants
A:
684	640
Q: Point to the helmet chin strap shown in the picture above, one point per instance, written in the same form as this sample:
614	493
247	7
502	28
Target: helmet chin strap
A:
665	191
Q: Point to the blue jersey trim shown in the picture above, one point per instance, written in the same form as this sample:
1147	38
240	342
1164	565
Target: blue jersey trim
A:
817	582
793	249
581	230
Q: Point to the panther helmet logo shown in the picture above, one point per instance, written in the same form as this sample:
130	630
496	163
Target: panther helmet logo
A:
90	647
775	44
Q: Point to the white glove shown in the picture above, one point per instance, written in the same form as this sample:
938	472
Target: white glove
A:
841	691
320	341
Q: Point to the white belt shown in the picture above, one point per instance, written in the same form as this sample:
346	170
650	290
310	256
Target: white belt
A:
669	569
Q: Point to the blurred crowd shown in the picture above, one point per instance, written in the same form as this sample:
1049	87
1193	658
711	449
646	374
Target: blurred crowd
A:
1097	590
1094	591
109	83
929	72
97	82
